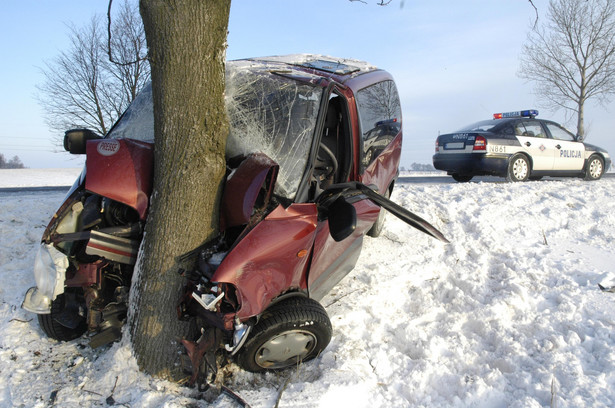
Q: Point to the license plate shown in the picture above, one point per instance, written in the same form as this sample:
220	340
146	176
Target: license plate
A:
454	145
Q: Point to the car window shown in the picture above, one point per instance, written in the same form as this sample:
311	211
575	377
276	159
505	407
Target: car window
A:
482	126
267	113
529	129
380	116
274	115
138	120
560	133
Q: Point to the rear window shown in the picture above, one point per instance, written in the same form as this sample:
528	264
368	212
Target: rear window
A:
493	125
482	126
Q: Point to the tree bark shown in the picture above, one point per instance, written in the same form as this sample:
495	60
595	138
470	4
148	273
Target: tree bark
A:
187	46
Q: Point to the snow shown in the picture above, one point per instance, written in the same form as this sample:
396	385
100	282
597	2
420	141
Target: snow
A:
38	177
507	315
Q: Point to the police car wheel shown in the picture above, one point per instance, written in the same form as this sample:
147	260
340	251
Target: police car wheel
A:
461	178
595	168
518	168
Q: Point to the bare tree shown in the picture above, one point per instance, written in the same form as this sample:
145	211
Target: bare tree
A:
82	88
572	59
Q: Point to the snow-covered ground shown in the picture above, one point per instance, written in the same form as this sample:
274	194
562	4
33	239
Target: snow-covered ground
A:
507	315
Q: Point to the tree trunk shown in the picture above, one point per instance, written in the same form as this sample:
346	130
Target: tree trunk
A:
187	45
581	113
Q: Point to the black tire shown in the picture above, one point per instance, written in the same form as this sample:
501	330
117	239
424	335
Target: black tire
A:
65	311
594	169
462	178
289	332
376	229
518	168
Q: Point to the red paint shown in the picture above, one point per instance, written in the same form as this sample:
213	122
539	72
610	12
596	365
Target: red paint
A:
264	264
122	172
242	189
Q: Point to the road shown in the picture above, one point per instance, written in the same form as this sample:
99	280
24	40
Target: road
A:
402	180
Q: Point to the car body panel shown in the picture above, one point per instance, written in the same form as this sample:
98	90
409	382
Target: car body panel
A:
271	259
255	175
122	170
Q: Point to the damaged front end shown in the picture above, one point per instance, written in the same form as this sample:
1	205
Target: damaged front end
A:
88	251
209	298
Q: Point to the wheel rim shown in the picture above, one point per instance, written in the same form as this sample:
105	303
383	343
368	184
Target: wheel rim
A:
595	168
286	349
520	169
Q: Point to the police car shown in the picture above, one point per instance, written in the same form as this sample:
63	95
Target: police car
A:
519	147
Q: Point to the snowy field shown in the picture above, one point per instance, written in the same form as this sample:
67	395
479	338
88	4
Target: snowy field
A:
507	315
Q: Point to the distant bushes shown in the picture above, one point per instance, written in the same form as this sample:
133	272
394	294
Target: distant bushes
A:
419	167
14	163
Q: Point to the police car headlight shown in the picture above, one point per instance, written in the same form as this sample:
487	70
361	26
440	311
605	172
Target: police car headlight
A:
49	271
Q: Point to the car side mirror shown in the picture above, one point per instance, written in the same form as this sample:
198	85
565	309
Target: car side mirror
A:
342	219
75	140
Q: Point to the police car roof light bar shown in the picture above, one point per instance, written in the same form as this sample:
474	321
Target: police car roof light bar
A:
528	113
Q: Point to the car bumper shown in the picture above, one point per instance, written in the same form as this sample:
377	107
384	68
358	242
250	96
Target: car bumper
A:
471	164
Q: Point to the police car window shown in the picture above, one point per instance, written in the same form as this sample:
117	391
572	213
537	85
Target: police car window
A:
559	133
482	126
380	116
529	129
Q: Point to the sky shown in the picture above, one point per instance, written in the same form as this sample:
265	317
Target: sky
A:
455	62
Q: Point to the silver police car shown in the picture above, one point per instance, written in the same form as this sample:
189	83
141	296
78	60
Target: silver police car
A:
519	147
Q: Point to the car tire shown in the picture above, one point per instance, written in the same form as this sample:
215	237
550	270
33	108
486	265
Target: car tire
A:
594	168
288	333
50	323
462	178
377	227
518	168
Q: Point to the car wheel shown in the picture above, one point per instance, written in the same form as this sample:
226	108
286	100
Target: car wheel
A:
594	168
462	178
64	323
376	229
288	333
518	168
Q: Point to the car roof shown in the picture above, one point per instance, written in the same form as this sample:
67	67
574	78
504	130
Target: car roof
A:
338	69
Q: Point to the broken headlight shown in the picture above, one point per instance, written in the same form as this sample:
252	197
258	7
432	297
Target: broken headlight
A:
49	273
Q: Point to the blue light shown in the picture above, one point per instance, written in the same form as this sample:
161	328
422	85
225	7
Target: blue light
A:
528	113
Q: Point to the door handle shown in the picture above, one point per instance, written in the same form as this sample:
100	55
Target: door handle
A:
558	147
528	144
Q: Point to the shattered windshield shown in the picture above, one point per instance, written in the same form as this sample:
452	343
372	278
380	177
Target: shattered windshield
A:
138	120
268	113
275	115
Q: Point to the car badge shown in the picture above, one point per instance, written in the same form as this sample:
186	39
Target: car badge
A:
108	147
542	148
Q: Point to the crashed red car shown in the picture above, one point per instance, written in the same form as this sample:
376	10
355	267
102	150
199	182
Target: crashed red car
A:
312	156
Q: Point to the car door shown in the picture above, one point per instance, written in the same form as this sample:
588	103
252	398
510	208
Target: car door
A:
569	154
536	144
331	259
